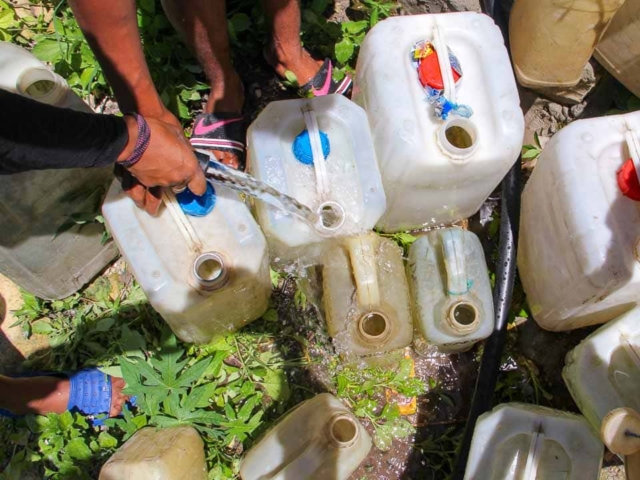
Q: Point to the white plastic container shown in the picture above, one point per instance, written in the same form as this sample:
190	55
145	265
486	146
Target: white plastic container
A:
525	442
603	372
159	454
450	289
205	275
318	439
435	171
366	297
24	74
579	235
346	186
34	205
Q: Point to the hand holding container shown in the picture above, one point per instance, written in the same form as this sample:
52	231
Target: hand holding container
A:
206	275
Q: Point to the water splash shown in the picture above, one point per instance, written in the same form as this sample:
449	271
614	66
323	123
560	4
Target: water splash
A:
245	183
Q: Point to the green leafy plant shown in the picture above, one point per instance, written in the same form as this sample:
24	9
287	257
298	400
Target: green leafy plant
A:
531	152
403	239
362	388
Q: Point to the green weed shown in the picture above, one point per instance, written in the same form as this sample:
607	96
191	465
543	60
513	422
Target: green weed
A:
531	152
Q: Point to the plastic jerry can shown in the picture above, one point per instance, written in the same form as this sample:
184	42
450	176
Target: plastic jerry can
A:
206	275
443	142
515	441
603	371
450	289
579	233
619	49
175	453
34	205
366	296
552	40
319	439
345	189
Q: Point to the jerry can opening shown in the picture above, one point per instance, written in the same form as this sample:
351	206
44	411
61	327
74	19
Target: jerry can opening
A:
373	326
463	318
343	431
210	271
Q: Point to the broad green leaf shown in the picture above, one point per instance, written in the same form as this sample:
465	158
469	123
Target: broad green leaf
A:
78	449
319	6
344	50
104	324
193	373
383	438
355	27
107	441
277	386
271	315
402	428
42	327
532	153
199	396
48	50
113	370
291	77
275	277
6	19
149	6
247	408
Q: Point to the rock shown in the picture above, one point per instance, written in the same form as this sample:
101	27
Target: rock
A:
572	95
464	5
556	112
577	110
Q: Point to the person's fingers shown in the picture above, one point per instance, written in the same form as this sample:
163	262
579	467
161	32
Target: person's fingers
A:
198	184
135	191
153	200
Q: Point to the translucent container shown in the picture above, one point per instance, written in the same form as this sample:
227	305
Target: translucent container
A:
34	205
345	189
24	74
158	454
552	40
434	171
450	289
579	235
525	442
619	48
319	439
205	275
603	371
366	297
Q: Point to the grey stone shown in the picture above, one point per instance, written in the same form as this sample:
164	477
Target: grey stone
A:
577	110
572	95
556	112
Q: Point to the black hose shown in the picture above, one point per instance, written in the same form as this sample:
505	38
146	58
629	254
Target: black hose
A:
505	276
494	345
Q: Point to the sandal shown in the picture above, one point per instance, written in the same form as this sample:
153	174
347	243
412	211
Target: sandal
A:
323	84
89	393
222	131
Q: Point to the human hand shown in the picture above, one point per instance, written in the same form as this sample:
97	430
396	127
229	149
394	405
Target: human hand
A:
167	161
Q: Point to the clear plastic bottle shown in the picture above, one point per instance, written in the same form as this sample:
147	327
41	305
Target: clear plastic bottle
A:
345	189
438	171
206	275
319	439
175	453
34	205
552	40
579	234
366	297
515	441
450	289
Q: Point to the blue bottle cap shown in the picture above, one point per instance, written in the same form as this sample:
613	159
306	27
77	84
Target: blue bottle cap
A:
302	147
197	206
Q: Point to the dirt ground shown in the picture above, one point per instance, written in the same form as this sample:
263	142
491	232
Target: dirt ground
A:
456	374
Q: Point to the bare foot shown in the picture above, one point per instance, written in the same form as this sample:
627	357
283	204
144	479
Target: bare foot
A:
42	395
227	95
300	63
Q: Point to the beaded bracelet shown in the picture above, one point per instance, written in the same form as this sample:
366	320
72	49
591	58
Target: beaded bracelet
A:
144	136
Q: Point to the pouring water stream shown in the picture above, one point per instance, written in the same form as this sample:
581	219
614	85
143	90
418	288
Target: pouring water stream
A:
245	183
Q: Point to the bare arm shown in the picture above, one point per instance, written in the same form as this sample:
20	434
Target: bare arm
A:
112	31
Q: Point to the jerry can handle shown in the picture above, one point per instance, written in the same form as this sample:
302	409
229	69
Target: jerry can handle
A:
365	269
634	150
455	261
